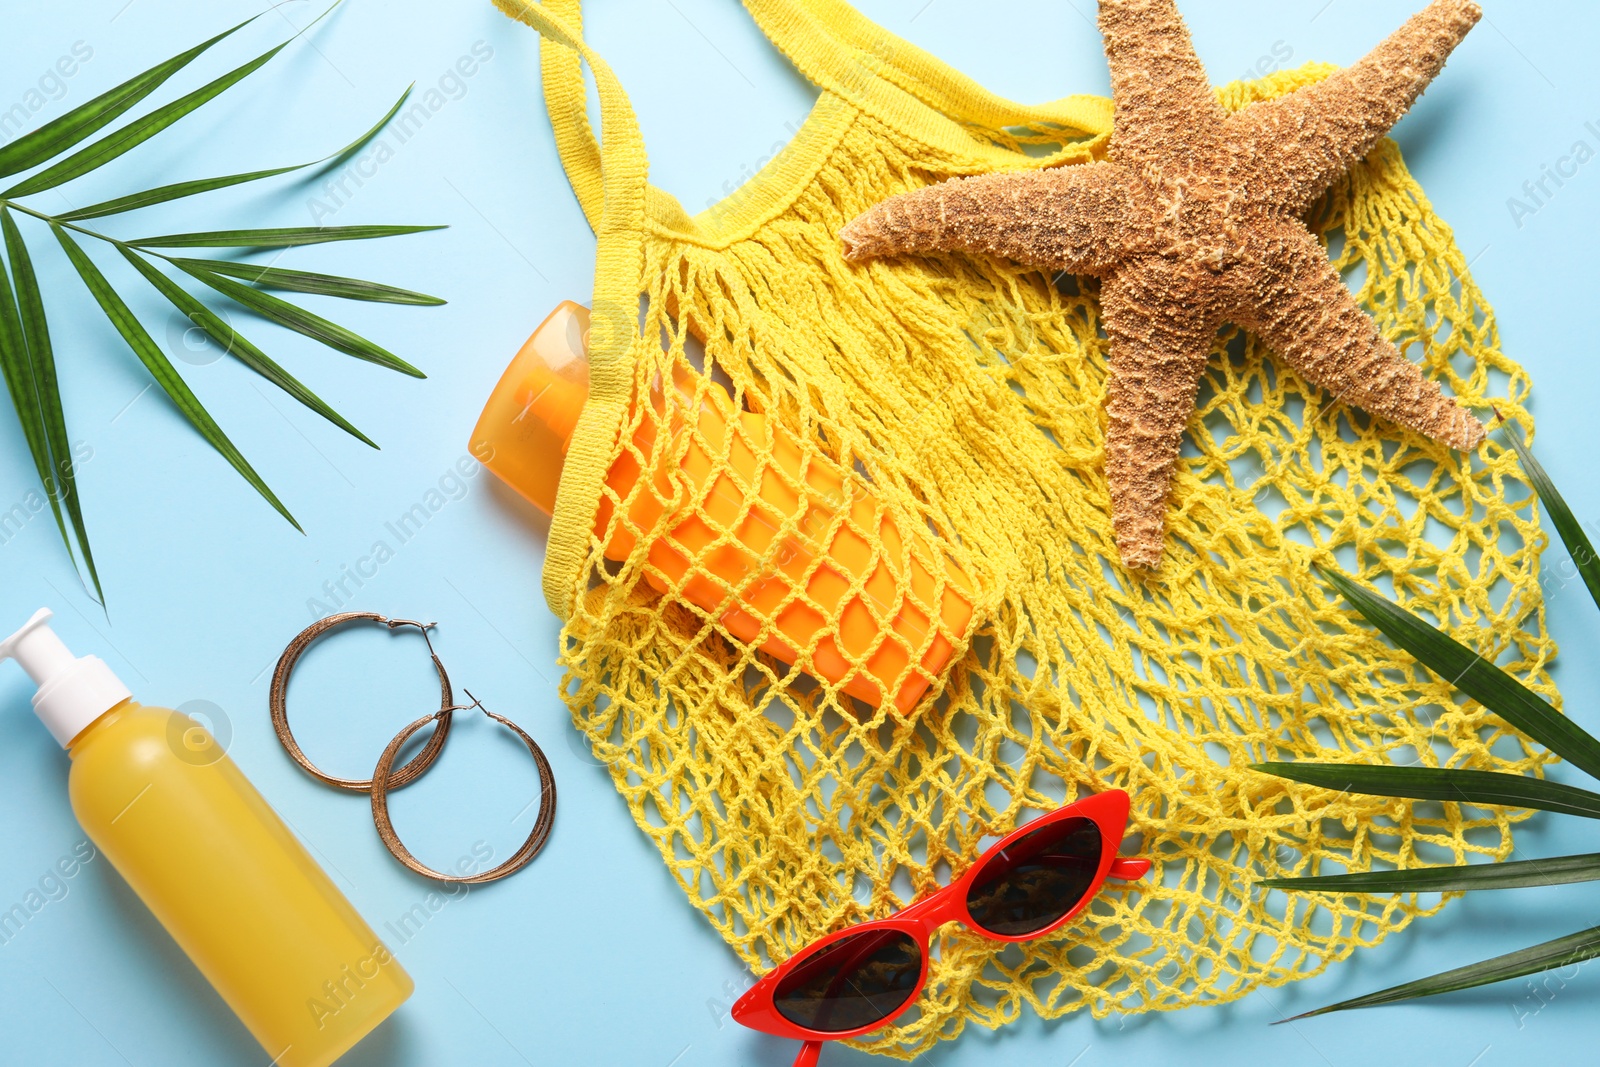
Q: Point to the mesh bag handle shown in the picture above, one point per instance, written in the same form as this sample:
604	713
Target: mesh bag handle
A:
841	51
610	180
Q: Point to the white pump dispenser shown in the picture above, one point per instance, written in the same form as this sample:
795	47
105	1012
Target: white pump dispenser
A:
73	691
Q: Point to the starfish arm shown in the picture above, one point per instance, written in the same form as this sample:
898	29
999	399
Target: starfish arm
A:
1062	218
1311	320
1161	336
1300	143
1164	100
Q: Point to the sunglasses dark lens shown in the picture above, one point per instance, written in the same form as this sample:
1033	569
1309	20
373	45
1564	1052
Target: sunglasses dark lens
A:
854	982
1036	880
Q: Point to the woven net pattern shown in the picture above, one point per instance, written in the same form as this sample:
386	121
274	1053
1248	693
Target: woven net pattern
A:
967	394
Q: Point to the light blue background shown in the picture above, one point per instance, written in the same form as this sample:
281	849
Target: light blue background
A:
593	955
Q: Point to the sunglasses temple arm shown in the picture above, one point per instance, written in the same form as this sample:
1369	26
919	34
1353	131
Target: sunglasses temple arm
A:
809	1054
1124	869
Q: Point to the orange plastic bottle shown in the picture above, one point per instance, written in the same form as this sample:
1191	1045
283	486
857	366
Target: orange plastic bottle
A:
715	546
237	891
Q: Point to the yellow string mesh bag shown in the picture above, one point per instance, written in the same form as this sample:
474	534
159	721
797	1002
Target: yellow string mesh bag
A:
968	393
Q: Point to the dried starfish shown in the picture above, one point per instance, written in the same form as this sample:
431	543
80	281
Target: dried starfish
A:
1195	220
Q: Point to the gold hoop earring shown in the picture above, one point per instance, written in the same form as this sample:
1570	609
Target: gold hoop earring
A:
383	778
419	763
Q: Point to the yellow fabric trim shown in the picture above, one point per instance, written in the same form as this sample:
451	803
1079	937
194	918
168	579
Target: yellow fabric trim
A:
879	74
619	232
969	392
828	39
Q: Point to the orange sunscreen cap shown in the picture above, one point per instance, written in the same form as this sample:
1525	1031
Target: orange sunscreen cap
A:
523	433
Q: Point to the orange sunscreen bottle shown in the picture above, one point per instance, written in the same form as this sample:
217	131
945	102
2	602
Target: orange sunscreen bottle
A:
237	891
714	547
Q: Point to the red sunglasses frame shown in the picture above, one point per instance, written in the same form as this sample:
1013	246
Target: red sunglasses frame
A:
1109	811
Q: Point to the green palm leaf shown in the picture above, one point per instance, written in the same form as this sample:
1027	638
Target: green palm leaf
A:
137	132
61	483
303	321
236	345
1487	788
179	190
1519	874
282	237
1561	516
1499	692
27	362
361	142
55	137
1562	952
299	281
161	369
176	191
17	367
1474	675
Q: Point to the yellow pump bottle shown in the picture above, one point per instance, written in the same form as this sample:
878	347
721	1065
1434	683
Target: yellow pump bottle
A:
214	863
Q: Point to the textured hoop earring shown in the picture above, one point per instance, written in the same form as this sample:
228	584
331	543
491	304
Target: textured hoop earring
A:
280	710
542	824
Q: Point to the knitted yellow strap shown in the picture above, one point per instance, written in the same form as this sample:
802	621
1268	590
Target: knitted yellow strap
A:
615	203
846	54
968	392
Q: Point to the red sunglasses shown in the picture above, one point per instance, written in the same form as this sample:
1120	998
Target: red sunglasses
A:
1030	883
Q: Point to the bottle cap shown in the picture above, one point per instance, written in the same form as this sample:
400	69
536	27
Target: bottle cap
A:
527	425
73	691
